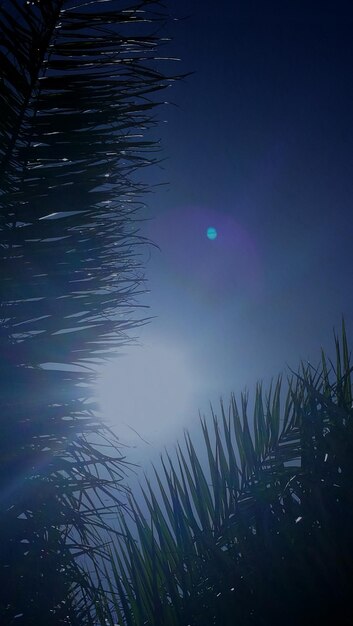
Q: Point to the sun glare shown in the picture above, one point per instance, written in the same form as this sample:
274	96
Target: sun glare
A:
147	394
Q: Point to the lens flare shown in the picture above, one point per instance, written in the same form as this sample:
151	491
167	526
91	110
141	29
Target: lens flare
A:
211	233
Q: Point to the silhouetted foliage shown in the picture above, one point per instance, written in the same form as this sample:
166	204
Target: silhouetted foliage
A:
260	532
76	96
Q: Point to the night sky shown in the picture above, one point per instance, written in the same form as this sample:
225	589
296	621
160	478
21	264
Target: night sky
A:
259	147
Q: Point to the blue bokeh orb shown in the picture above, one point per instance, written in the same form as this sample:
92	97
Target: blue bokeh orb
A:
211	233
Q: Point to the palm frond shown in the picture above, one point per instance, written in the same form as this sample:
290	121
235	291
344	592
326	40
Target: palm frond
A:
78	89
268	540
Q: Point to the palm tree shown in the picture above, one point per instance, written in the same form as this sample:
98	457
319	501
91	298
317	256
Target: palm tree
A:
261	532
76	96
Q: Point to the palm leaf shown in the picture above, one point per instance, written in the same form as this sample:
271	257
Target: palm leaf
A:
276	546
78	89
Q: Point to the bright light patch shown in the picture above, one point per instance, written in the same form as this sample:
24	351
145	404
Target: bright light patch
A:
147	393
211	233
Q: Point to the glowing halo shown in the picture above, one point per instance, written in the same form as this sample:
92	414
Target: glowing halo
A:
147	394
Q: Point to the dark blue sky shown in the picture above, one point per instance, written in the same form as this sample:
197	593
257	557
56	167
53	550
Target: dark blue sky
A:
259	146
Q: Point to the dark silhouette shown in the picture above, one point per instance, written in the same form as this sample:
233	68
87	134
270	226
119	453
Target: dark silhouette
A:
259	530
76	88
